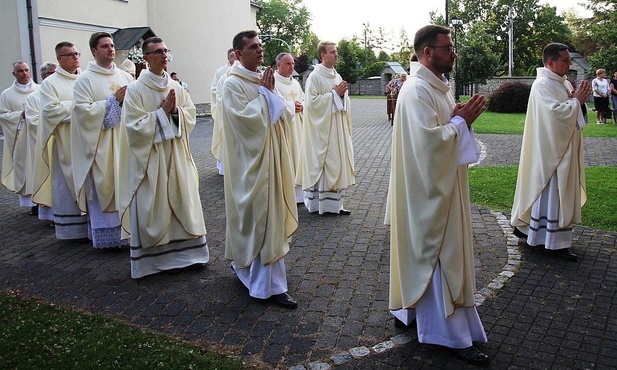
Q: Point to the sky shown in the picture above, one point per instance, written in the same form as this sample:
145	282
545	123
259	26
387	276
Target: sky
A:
337	19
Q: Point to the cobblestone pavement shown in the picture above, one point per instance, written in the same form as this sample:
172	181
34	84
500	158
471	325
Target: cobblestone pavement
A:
538	311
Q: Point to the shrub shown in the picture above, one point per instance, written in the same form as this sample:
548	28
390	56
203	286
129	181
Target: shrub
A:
511	97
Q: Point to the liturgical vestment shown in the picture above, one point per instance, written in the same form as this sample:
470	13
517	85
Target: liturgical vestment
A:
259	186
158	183
94	145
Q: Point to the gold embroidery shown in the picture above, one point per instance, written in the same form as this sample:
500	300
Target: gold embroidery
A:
114	86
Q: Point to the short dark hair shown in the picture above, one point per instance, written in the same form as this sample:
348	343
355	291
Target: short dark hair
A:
552	51
95	37
63	44
427	35
148	41
238	42
172	74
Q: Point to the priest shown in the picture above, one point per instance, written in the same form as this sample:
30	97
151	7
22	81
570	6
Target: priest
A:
259	190
12	118
158	184
327	150
98	96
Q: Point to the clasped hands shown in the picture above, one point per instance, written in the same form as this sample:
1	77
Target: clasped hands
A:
471	110
169	103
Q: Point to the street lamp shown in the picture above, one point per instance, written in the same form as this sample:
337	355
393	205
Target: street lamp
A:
268	36
510	41
455	23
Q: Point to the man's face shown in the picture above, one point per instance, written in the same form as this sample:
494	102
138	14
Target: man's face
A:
104	52
68	59
21	72
442	54
561	66
285	66
231	58
156	56
251	56
174	77
330	57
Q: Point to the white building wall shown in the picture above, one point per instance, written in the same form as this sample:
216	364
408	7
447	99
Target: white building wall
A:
198	32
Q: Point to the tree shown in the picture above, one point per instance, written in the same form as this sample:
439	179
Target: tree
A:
347	62
374	69
476	62
534	25
288	20
597	35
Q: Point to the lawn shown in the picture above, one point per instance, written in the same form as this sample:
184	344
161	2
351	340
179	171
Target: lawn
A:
39	335
493	187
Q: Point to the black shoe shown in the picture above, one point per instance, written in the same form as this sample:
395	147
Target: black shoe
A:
566	254
34	211
284	300
344	212
399	324
471	355
519	234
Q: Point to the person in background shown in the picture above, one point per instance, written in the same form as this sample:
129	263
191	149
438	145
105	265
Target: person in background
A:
15	130
601	90
327	149
33	109
174	76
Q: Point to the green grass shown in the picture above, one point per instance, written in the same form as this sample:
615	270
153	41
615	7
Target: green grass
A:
513	124
37	335
493	187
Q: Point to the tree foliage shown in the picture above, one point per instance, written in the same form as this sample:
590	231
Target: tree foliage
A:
347	62
595	37
476	62
534	25
288	20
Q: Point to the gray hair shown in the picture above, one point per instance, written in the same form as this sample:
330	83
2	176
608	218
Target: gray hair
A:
18	62
47	65
281	56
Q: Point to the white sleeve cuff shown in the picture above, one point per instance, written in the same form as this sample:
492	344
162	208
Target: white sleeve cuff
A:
276	104
468	150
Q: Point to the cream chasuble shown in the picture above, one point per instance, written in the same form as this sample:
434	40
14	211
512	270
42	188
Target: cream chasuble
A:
33	106
327	148
220	72
552	145
94	147
217	130
260	201
14	157
428	197
56	108
291	90
157	176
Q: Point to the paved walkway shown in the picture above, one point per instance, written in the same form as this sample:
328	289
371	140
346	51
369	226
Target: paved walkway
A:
538	311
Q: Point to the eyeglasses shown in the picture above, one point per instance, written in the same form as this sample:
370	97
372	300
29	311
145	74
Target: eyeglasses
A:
449	48
159	51
71	55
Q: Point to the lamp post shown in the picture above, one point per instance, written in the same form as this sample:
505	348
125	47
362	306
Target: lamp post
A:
510	41
455	23
268	36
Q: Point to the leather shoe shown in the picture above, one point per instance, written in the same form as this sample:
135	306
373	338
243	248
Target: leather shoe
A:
565	254
471	355
284	300
519	234
344	212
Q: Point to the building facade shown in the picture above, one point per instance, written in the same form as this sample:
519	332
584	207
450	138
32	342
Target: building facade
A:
198	32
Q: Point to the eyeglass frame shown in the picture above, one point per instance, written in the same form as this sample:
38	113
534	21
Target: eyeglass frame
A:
71	55
159	51
451	48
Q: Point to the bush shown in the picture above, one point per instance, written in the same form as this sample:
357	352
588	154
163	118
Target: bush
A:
511	97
